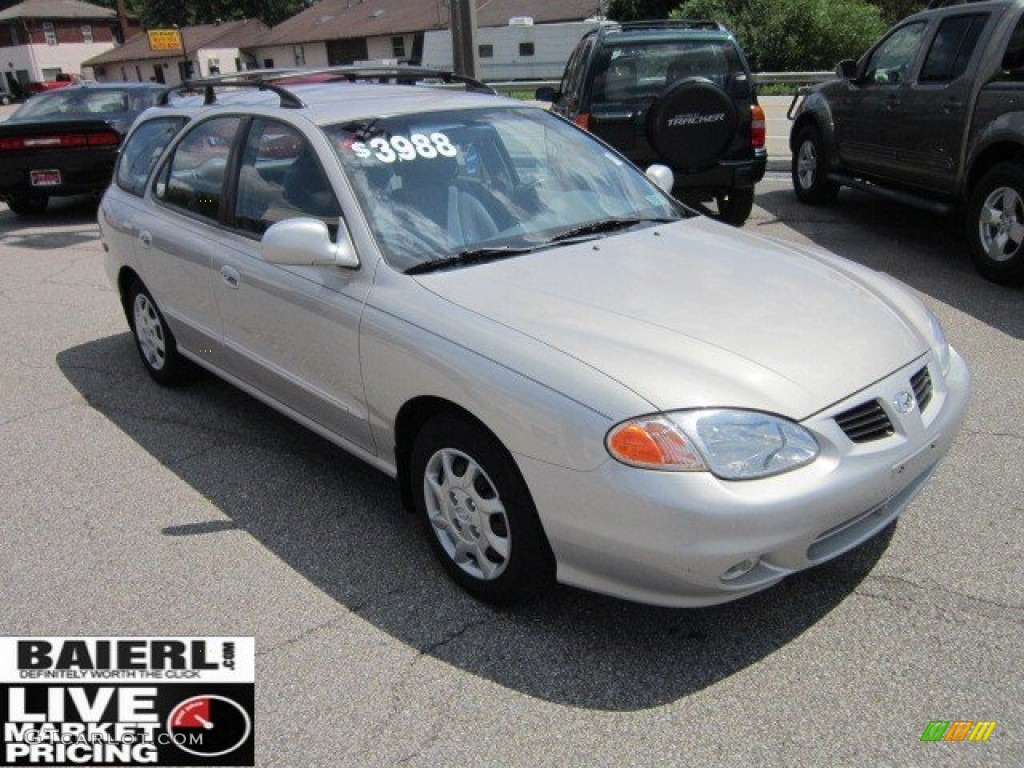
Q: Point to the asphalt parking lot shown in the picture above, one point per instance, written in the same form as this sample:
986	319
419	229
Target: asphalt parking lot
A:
133	510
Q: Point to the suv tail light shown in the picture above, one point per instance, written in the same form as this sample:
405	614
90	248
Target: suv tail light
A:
583	120
757	126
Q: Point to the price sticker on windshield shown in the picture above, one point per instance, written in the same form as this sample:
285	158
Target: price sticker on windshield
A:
401	148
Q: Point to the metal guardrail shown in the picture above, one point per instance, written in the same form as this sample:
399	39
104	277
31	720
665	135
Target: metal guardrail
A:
761	78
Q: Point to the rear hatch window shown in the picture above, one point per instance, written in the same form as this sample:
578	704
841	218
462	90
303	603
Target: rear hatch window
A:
640	71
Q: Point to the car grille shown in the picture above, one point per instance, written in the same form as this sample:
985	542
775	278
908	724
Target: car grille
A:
865	422
922	384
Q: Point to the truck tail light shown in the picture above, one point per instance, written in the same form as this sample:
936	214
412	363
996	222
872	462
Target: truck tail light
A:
757	126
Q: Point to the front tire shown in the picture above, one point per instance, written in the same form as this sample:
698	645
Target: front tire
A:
810	169
479	517
734	207
996	224
154	340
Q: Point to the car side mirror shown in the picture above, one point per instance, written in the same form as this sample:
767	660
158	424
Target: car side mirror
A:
546	93
847	69
662	176
304	242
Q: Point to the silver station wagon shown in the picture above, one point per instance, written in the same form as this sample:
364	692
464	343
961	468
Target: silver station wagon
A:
571	376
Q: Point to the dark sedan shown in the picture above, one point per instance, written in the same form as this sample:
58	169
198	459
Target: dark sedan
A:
65	142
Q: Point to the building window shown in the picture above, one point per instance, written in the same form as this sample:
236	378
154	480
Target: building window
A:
486	51
398	47
268	63
213	66
14	35
50	32
87	33
526	49
299	52
100	71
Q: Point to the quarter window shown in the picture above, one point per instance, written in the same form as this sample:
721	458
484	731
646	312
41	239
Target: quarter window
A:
142	150
891	61
194	178
280	178
952	49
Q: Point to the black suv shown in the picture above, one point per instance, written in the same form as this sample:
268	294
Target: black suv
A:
678	93
932	115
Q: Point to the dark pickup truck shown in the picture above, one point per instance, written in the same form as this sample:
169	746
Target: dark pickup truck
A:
931	115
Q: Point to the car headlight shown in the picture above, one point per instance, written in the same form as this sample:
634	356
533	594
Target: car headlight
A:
937	341
731	444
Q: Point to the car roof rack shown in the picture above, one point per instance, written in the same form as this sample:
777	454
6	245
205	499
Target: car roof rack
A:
288	99
399	74
277	80
654	24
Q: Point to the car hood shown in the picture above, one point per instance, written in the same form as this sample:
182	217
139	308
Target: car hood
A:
694	314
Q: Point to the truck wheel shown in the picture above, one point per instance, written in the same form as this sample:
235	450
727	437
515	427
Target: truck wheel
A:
996	224
735	205
810	168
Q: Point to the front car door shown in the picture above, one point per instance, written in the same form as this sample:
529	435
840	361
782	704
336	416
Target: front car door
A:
290	332
864	118
934	107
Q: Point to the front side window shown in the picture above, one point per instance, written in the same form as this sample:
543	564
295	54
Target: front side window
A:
952	48
50	33
194	178
142	150
890	62
442	183
281	178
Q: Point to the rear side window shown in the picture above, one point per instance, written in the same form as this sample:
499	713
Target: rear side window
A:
952	48
142	150
1013	60
194	178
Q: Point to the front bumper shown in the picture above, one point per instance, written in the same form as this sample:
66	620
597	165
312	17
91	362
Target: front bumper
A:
668	538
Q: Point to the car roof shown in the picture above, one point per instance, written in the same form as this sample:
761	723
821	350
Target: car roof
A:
325	103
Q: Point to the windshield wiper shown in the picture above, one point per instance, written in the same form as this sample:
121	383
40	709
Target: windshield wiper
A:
606	225
464	258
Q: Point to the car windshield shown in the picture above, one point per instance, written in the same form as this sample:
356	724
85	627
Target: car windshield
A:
438	186
636	71
85	103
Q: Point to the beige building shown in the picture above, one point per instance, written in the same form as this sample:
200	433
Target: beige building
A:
41	39
209	49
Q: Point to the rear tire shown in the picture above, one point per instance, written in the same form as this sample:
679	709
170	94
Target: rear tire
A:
29	205
734	206
996	224
154	340
477	511
810	168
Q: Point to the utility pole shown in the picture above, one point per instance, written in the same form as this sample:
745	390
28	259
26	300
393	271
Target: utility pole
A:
464	37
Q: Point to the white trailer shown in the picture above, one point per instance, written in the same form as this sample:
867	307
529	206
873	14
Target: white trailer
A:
520	50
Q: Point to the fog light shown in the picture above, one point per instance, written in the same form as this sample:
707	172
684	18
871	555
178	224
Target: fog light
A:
741	568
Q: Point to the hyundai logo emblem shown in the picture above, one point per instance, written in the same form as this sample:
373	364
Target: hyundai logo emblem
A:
903	402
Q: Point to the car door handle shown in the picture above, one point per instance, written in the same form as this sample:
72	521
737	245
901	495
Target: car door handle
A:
145	238
230	276
952	106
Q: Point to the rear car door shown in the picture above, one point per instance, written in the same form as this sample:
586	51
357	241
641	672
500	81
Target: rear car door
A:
292	332
177	240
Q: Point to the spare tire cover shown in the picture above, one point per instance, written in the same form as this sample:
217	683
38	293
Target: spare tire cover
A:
692	123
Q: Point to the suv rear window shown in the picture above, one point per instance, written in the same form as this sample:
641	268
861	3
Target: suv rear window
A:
635	71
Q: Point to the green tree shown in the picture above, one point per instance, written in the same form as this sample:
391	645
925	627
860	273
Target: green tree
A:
794	35
165	13
894	10
638	10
